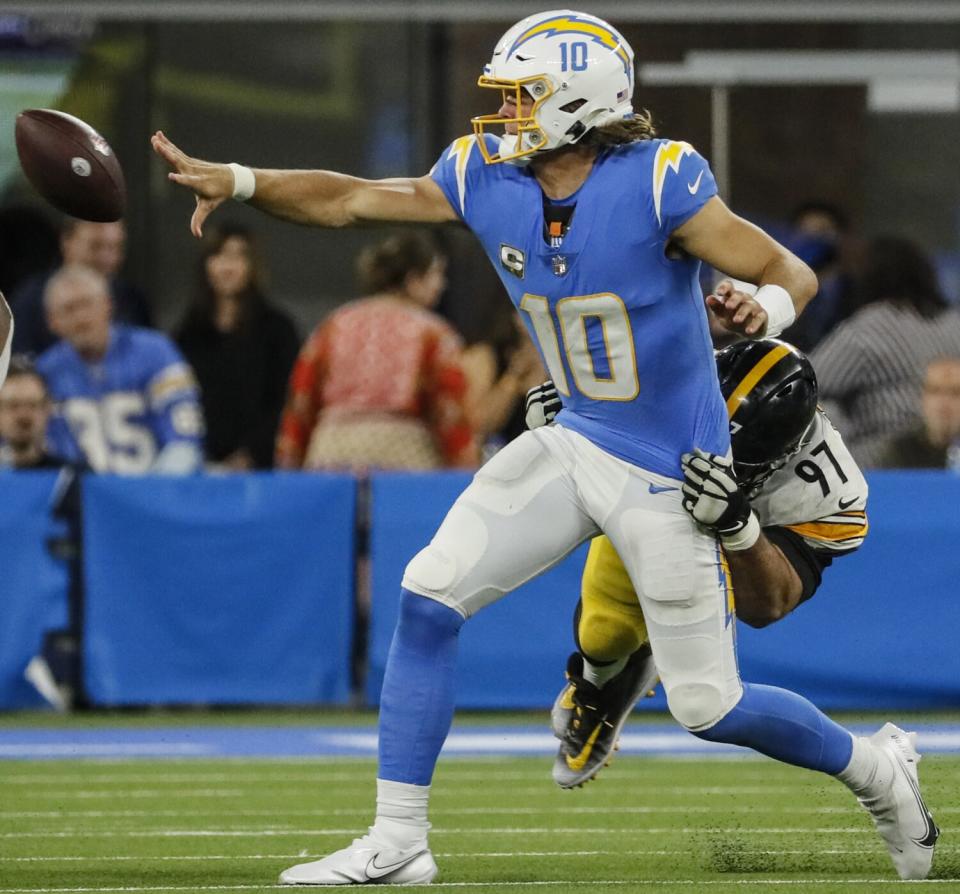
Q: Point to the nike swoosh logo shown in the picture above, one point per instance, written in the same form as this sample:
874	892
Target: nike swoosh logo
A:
693	187
657	489
846	504
375	871
576	763
931	833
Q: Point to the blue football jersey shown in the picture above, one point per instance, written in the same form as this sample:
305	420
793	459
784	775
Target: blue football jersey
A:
118	414
621	327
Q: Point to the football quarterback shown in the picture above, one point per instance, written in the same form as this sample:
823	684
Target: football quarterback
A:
597	229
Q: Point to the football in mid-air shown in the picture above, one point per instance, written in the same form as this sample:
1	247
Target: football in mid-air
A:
70	165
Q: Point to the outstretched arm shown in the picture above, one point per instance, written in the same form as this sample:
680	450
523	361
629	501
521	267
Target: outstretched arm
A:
315	198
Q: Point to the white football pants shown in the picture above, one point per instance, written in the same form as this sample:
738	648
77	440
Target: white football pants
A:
546	493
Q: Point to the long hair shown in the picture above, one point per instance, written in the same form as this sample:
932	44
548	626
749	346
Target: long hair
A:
635	129
898	271
203	302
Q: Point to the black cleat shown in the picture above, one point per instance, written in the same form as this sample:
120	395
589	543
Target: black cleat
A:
588	720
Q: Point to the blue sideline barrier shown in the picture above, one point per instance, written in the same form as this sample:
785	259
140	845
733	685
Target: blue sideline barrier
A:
220	590
33	592
880	633
239	590
882	630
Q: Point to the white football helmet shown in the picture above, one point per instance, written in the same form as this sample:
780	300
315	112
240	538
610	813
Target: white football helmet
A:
576	68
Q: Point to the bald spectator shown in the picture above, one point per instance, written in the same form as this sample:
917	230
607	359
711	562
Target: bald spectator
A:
126	401
100	246
934	443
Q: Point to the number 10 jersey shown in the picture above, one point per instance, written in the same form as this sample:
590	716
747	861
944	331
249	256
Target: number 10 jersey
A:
621	327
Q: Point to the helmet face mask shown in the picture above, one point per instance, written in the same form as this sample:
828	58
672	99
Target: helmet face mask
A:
753	476
577	70
529	136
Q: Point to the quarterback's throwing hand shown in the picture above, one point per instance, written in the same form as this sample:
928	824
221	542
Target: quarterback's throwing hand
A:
713	498
737	311
212	184
543	404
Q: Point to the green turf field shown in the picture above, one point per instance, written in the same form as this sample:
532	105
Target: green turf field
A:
647	824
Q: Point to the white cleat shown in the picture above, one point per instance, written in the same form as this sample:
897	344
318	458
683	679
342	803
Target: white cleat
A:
366	863
898	810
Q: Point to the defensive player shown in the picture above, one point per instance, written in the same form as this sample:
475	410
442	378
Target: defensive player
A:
596	229
809	497
6	338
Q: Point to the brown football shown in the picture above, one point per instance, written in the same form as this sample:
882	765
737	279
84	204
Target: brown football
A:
70	165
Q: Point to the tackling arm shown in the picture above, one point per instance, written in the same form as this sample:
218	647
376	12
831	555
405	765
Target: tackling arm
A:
315	198
773	569
766	586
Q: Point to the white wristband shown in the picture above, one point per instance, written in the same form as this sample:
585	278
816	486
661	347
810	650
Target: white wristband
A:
778	304
244	182
746	538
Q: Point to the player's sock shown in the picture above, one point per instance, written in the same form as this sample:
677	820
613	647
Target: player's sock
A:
416	703
401	814
785	726
860	774
599	673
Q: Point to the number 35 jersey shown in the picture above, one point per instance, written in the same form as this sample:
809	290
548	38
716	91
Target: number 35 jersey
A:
621	326
820	494
119	414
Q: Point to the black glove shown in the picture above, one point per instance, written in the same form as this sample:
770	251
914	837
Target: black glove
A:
713	498
543	404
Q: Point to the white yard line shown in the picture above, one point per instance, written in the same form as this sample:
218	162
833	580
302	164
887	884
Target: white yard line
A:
512	830
441	811
103	794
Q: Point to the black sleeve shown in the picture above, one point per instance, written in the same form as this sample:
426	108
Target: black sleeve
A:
806	561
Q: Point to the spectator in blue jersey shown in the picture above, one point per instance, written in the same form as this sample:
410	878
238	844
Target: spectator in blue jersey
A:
125	400
241	348
597	229
101	246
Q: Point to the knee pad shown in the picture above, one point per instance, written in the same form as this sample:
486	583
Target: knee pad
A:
431	570
607	636
696	706
456	548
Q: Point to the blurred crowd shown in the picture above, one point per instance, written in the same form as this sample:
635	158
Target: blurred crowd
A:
385	381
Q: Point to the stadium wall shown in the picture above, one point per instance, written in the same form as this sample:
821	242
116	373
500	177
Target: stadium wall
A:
239	590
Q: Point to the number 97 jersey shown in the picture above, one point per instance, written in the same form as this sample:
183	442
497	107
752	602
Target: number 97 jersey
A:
621	327
820	494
